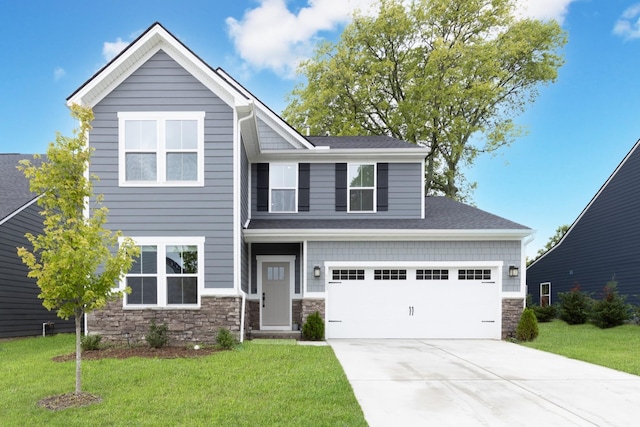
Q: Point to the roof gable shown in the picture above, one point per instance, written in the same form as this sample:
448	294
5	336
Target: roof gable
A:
14	187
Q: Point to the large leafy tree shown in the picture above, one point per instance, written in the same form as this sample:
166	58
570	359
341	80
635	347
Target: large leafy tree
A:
76	261
447	74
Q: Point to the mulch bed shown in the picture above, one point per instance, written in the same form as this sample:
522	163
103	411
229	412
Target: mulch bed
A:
68	400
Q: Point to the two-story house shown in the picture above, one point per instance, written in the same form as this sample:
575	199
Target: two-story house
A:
245	223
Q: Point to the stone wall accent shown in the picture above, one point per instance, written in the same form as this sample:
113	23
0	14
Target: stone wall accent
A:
296	312
310	306
511	311
185	326
254	314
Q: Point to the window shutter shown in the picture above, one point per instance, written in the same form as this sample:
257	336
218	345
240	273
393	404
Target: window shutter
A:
263	187
341	187
383	187
303	186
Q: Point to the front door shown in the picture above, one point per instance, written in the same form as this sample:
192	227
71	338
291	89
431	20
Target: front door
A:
275	311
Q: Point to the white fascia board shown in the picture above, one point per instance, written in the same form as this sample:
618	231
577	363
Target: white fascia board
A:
149	44
288	235
322	154
17	211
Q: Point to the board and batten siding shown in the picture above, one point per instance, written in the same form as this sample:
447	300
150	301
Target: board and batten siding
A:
161	84
603	245
430	251
21	311
404	194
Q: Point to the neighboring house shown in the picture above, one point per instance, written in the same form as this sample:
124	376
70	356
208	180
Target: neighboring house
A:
602	245
21	311
245	223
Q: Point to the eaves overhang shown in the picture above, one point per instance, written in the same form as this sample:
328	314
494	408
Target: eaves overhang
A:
337	155
294	235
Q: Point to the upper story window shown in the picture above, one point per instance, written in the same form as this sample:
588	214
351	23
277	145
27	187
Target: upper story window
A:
161	148
283	187
361	181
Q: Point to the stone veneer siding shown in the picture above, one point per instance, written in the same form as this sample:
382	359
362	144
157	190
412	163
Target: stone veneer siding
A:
511	311
253	317
200	325
310	306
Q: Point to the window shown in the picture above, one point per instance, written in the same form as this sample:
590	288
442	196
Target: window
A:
474	274
361	186
166	274
283	186
161	148
390	275
432	274
545	294
347	274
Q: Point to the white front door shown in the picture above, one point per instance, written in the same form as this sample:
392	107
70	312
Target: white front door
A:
275	287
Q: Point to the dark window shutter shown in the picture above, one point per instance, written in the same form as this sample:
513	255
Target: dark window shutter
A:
303	187
383	187
263	187
341	187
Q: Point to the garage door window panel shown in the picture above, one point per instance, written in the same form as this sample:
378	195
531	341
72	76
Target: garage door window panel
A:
390	274
347	274
474	274
432	274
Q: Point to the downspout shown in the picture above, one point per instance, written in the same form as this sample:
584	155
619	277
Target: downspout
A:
244	295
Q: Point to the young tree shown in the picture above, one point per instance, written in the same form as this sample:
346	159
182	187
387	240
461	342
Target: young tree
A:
75	261
553	240
448	74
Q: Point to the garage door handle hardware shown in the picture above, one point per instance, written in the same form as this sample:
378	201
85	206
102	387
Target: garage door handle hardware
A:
334	283
335	321
411	310
263	298
488	321
488	282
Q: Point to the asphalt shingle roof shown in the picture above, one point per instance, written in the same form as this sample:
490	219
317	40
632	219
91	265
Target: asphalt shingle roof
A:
441	213
350	142
14	187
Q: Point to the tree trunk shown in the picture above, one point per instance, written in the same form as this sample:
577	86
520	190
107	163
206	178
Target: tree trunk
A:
78	352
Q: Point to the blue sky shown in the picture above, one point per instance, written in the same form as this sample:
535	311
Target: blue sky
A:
579	129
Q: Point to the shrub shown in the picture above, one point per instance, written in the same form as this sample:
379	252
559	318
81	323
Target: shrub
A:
574	306
546	313
90	342
313	328
527	329
611	310
157	335
225	339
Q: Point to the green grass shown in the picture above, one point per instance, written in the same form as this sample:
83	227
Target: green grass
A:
615	348
255	385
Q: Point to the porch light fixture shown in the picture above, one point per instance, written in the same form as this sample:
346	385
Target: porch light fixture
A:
316	271
513	271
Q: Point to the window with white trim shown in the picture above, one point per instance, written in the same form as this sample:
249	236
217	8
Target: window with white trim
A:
283	187
166	274
361	184
545	294
161	148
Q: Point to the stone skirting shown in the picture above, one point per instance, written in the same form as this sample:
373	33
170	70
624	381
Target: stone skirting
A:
185	326
310	306
511	311
253	307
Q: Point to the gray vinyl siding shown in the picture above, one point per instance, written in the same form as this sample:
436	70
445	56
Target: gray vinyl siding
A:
21	311
270	139
275	249
603	245
162	85
320	252
405	194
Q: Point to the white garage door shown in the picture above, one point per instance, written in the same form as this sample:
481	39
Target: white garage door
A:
447	302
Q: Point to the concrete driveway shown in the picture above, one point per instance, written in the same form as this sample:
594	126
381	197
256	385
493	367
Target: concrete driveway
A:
482	382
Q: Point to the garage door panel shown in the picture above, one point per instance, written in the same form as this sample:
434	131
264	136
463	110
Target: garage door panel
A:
414	309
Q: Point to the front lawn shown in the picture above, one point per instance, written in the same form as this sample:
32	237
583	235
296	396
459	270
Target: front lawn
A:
269	385
616	348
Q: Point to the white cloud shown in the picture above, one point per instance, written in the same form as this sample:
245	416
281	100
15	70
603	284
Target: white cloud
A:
544	9
271	36
111	49
58	73
628	25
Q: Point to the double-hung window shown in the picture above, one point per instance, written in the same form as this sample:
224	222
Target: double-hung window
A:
361	180
161	148
168	273
283	187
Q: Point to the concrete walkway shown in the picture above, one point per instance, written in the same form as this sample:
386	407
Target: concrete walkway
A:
482	383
